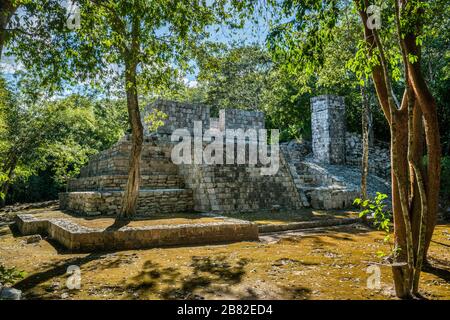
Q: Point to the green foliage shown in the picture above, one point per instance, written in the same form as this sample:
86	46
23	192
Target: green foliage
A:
48	141
9	276
155	119
235	78
165	38
375	209
326	57
245	77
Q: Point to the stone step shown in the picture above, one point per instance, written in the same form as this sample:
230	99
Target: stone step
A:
150	201
118	182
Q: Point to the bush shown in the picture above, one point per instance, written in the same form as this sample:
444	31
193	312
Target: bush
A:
375	209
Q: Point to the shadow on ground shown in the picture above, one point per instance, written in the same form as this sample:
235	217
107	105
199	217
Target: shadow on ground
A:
211	275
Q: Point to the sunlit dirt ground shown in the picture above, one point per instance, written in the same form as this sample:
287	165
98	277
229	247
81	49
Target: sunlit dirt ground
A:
329	263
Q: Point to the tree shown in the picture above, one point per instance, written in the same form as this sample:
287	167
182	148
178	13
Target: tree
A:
365	141
235	77
387	51
7	10
147	41
58	136
29	18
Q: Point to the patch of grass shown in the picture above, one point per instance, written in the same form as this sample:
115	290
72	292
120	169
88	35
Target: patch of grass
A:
9	276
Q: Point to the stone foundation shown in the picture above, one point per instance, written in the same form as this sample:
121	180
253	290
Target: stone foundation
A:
77	238
118	182
218	188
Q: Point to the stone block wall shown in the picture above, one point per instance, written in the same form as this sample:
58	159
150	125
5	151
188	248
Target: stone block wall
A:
241	119
328	128
240	188
156	158
180	115
220	188
149	202
118	182
379	155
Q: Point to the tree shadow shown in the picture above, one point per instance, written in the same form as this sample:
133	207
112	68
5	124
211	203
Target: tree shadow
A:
53	270
6	229
437	268
441	243
209	275
118	223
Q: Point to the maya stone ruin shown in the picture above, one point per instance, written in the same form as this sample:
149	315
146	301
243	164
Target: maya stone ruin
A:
324	176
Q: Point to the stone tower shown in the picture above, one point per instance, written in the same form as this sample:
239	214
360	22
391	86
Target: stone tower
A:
328	129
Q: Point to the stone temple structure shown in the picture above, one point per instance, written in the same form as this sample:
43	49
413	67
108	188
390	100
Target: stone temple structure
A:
320	179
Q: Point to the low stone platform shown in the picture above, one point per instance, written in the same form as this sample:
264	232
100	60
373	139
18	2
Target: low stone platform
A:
78	237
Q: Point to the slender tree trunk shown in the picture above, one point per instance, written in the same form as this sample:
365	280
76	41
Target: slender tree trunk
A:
130	198
131	193
370	126
365	142
427	105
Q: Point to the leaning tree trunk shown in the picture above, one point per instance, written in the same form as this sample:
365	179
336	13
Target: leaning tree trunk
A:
130	198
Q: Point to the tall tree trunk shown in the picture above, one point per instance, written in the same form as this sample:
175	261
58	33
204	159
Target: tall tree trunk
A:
403	255
365	142
130	198
427	105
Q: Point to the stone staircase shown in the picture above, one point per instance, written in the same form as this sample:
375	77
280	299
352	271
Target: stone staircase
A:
99	189
328	186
